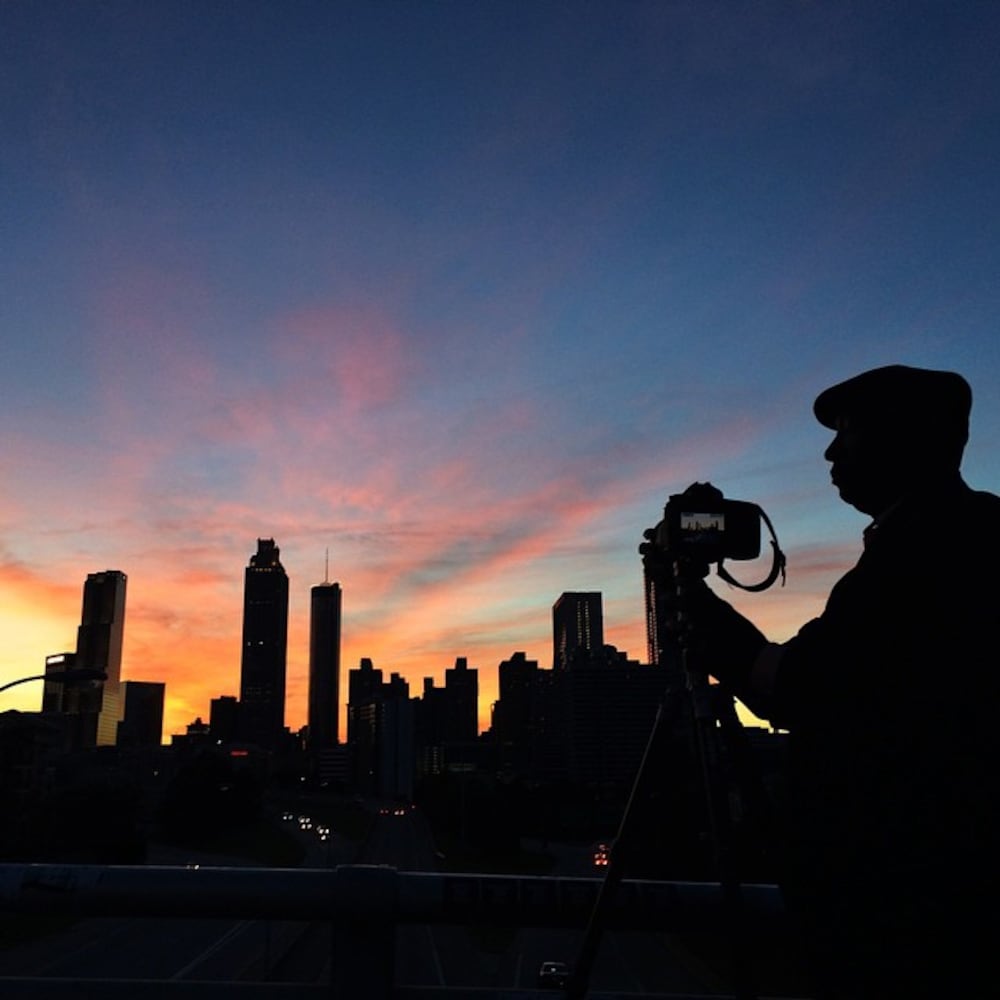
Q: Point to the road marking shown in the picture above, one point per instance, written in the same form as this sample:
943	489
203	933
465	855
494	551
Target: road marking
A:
212	949
625	964
98	933
435	955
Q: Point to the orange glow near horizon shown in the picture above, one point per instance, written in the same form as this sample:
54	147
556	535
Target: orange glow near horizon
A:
194	644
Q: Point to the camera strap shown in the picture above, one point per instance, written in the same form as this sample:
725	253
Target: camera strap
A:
777	563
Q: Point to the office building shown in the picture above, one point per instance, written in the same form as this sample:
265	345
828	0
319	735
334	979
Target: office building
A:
56	697
223	718
142	723
588	724
380	730
608	717
73	708
431	711
99	642
447	720
461	685
513	712
577	628
265	647
364	685
529	725
324	665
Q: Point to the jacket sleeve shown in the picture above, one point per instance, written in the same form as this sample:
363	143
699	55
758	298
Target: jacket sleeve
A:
828	664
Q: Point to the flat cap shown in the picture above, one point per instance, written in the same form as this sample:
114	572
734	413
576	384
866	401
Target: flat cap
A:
899	395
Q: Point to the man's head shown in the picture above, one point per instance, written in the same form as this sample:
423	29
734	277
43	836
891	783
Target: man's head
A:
898	428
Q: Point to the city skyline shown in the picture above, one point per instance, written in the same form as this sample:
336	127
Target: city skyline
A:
262	675
461	293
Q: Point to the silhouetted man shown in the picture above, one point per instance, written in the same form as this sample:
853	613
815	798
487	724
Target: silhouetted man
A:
890	698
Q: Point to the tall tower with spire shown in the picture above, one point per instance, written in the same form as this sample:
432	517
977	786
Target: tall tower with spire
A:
324	663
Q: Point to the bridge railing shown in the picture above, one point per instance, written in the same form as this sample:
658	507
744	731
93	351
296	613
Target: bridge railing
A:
364	903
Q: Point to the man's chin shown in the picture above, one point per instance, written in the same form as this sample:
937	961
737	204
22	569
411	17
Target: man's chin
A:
851	498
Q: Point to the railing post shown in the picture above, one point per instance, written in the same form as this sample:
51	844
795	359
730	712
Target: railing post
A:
363	955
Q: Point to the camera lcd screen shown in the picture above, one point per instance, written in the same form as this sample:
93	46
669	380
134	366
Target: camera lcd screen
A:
702	523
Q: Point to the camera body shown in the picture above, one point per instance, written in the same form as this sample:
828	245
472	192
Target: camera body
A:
702	526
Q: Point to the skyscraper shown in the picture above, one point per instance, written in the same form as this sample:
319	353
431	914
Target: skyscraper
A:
99	642
446	719
265	646
142	724
462	698
364	688
380	728
324	665
223	719
577	627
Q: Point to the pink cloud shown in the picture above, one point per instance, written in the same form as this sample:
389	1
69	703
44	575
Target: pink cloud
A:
443	527
356	356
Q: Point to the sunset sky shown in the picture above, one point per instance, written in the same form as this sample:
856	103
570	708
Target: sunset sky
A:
461	292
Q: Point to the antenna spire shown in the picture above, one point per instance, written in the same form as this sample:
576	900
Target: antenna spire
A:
326	569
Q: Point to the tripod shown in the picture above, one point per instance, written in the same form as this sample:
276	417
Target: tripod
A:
721	751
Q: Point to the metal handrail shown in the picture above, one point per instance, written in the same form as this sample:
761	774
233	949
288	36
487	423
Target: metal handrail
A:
363	902
364	893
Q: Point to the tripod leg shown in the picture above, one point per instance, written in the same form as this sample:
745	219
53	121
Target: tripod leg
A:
582	968
709	751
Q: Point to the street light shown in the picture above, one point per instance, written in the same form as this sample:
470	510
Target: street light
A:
77	676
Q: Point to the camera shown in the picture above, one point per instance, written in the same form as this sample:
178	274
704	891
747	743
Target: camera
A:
701	525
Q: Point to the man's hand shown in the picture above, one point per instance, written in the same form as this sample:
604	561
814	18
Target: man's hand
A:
722	642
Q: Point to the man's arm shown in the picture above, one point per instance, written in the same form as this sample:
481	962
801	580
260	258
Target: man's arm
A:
731	648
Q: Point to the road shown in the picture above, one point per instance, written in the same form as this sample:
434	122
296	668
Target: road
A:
431	956
154	948
637	962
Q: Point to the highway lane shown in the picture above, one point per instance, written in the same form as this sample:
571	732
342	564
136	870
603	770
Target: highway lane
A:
153	948
634	961
122	948
157	948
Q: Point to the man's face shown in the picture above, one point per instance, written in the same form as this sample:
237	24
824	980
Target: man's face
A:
870	467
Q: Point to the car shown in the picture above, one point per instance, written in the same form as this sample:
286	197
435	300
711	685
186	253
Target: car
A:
553	975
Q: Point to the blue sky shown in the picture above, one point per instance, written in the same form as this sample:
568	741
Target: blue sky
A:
461	292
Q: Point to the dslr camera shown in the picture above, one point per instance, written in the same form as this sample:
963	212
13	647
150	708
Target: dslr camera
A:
700	525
